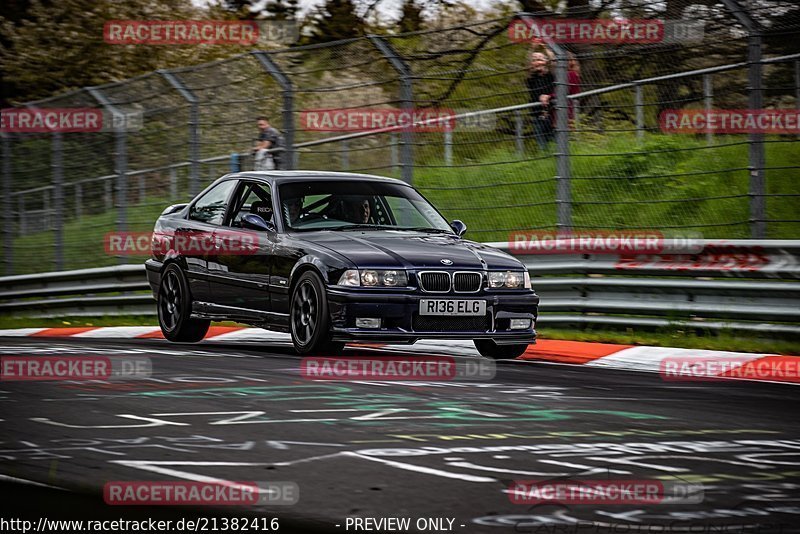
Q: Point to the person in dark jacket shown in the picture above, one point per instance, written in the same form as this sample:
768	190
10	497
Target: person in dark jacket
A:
540	83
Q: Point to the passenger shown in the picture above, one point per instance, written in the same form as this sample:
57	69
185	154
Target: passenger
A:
294	207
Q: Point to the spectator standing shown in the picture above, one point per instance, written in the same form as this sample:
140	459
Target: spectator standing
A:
268	138
541	86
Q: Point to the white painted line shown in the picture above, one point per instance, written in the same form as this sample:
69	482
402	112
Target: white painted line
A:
16	480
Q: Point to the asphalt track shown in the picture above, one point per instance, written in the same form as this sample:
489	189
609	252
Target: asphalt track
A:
442	450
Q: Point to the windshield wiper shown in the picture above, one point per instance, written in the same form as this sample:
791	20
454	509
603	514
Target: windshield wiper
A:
423	229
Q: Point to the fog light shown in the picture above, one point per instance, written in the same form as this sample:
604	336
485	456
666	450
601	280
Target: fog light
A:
368	322
520	324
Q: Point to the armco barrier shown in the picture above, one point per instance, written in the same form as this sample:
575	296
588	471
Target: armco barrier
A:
732	284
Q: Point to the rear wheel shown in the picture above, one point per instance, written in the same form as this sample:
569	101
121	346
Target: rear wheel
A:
489	349
309	317
175	307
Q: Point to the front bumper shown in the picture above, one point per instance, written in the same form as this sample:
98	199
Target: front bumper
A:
401	322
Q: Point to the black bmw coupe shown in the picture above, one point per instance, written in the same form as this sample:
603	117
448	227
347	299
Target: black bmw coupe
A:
334	258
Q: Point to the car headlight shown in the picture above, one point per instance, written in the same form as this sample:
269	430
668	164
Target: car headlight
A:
374	278
349	278
509	280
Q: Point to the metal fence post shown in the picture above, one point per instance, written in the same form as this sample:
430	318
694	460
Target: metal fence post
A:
120	161
406	102
708	99
757	157
47	207
393	151
757	187
563	164
23	229
108	195
194	128
78	200
57	170
797	86
448	147
272	68
8	210
519	140
344	155
639	113
142	188
173	183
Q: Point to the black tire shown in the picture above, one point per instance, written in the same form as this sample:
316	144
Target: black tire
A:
175	308
489	349
309	317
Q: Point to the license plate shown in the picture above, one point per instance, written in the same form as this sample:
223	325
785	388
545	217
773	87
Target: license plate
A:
452	307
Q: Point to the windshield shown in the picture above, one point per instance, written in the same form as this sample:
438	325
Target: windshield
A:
349	205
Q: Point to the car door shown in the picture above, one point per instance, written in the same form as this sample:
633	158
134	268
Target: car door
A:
194	235
239	268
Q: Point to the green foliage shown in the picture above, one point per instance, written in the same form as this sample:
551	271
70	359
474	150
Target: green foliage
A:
59	45
411	17
335	20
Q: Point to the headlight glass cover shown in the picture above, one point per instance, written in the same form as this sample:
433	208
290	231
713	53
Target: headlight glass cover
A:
508	280
374	278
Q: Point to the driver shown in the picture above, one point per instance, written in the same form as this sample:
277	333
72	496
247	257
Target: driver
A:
358	210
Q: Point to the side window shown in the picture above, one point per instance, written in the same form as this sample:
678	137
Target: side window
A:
210	208
251	198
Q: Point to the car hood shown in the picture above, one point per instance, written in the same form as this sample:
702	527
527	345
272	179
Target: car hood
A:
412	250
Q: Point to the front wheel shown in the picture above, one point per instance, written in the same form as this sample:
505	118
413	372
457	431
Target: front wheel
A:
309	317
175	308
489	349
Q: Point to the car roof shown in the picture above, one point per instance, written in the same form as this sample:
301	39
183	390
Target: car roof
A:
292	176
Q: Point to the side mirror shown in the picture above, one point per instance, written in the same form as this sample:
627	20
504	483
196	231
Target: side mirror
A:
458	227
252	221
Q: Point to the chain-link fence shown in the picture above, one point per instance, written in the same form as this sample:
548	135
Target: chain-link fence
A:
597	156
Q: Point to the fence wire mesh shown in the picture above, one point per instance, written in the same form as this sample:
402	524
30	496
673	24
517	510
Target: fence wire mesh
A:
612	167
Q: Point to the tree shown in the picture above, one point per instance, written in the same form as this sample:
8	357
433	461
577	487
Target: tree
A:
57	46
241	9
335	20
411	18
281	9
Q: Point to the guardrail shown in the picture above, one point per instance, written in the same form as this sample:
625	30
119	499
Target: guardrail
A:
731	284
